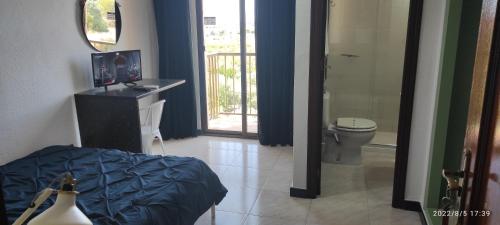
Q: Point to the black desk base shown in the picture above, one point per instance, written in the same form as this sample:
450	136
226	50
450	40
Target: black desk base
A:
111	119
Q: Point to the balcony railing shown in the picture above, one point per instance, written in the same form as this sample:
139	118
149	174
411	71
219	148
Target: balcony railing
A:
224	84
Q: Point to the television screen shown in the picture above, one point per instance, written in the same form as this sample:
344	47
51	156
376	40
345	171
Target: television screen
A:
116	67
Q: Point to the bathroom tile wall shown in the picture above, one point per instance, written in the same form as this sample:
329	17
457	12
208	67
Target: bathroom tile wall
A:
368	85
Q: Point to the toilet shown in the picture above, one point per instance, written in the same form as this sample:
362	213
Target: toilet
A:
344	138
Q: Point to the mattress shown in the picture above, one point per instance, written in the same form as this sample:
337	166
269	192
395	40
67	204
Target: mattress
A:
116	187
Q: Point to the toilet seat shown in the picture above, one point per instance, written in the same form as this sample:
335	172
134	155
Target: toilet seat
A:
353	124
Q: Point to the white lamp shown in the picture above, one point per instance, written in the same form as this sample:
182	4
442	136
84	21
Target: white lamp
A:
64	210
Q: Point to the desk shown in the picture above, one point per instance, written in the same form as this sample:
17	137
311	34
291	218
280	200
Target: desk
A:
111	119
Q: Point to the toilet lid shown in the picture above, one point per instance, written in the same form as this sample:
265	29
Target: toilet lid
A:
355	123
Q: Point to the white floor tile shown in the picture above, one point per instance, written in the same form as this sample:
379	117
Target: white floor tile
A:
221	218
281	205
258	180
262	220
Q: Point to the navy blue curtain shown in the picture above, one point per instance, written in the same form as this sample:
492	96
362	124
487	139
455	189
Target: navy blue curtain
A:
175	62
275	42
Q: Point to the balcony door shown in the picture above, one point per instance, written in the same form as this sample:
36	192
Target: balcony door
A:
229	89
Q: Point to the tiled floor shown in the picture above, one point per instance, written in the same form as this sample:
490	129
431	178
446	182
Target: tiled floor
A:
258	179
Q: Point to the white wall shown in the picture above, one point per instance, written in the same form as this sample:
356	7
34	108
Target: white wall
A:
428	70
45	59
424	102
301	92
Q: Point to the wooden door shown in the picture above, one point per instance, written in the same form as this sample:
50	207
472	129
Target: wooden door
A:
489	190
481	188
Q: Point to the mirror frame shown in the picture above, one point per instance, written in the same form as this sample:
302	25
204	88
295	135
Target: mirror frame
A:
118	18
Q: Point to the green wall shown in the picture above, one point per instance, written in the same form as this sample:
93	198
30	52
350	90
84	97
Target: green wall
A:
462	83
458	55
444	98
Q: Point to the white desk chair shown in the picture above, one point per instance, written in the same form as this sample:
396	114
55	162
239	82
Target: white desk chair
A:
150	129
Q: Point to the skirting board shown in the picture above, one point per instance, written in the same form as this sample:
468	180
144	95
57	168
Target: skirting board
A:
407	205
417	207
424	216
301	193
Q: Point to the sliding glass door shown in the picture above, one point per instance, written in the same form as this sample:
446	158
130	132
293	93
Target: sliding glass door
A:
230	72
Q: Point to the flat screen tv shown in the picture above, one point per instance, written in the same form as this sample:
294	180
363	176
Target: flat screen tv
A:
116	67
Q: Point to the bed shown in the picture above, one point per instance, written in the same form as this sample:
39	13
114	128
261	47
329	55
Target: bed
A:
115	187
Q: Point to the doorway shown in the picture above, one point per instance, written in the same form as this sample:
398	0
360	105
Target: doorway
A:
365	60
468	112
366	43
229	93
316	127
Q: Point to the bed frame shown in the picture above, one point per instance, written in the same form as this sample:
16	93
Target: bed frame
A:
212	211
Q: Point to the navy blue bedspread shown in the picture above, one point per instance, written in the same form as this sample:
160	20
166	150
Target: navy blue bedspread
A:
116	187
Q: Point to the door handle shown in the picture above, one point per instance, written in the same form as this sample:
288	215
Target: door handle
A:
453	191
456	191
452	178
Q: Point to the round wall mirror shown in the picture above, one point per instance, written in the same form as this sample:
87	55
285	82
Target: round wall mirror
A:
101	23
